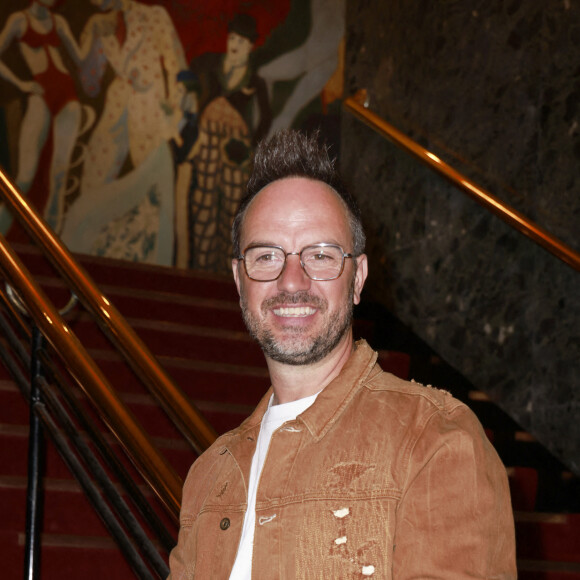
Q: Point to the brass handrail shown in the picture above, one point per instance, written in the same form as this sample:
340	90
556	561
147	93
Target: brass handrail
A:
150	463
176	404
357	106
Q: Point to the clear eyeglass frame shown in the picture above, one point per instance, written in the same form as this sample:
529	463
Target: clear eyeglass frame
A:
304	266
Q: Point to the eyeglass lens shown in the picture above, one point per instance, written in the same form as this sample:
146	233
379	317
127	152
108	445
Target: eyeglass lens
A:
320	262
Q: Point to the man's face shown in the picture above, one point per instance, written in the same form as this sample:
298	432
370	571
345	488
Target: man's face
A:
297	320
238	48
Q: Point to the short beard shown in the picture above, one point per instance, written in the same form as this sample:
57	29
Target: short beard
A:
300	350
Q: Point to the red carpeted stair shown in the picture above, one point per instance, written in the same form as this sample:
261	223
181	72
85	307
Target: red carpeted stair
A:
191	322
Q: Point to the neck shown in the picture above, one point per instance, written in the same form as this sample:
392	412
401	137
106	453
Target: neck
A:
39	11
291	383
230	63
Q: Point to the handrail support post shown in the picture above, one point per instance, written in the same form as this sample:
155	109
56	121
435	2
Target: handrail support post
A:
36	463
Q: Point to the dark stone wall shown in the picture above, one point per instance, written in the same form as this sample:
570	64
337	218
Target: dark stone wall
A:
492	87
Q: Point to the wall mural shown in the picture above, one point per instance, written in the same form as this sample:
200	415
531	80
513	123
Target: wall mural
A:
131	124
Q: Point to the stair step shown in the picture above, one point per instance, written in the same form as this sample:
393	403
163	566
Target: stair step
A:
156	305
523	483
14	452
552	537
181	340
61	509
108	271
204	380
14	409
542	570
64	499
65	556
397	363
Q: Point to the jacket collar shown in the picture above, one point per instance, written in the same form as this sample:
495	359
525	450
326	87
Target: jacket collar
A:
335	397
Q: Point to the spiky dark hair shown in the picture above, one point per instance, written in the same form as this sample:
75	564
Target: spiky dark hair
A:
290	153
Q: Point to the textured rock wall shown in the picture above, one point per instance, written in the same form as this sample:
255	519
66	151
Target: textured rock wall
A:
493	88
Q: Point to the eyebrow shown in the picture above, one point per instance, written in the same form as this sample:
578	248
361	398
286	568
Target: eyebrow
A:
266	243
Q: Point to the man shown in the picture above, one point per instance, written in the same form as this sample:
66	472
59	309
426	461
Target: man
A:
342	471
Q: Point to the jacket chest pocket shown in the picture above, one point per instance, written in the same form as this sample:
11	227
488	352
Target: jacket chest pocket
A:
217	533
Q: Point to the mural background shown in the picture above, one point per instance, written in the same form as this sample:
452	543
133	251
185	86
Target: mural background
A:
130	125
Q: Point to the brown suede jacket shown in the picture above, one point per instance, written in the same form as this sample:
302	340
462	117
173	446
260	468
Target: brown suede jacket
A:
380	478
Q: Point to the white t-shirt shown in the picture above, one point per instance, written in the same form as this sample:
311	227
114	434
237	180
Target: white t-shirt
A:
275	416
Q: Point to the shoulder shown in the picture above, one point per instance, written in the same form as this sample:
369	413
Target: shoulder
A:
422	424
206	462
206	470
419	411
61	23
16	24
412	394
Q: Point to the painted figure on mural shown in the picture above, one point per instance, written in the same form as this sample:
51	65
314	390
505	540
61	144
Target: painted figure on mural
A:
126	209
234	115
51	99
312	63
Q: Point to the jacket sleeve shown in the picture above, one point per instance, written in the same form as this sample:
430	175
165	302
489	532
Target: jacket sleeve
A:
182	560
182	557
455	518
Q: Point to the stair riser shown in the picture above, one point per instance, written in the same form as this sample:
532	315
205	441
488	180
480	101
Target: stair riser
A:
164	307
550	541
189	344
110	272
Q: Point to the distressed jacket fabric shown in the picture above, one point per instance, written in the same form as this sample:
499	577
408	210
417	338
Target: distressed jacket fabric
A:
380	478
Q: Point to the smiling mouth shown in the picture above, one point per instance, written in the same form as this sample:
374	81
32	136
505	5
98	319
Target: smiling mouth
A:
295	311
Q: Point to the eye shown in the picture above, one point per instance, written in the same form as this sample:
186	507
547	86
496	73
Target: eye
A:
264	256
321	257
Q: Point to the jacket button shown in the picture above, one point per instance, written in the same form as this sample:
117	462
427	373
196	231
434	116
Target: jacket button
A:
225	524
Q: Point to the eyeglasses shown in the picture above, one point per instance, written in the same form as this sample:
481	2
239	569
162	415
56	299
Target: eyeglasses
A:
319	261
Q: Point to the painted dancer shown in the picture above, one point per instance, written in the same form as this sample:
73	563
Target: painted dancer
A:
143	102
126	204
51	99
343	470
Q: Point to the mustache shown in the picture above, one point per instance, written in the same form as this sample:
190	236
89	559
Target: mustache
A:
301	297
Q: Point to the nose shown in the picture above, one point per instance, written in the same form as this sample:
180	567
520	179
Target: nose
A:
293	278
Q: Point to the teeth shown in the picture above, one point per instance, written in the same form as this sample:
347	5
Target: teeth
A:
296	311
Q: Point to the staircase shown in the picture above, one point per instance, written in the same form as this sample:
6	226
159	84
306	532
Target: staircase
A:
191	322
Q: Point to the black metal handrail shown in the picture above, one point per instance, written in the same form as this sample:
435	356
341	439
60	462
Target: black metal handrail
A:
58	413
67	395
153	466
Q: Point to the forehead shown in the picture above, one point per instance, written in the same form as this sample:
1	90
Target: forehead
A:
236	36
294	212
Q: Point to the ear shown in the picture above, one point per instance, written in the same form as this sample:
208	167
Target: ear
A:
236	271
360	276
